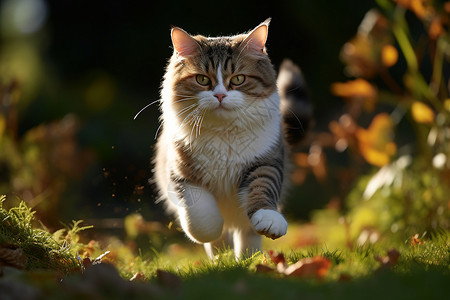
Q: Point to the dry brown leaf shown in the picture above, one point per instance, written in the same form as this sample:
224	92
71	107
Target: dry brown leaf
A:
277	257
390	259
317	266
415	240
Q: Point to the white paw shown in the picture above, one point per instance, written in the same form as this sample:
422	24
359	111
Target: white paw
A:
269	223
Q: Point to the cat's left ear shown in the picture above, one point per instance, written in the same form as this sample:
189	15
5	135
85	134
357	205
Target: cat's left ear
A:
183	44
256	39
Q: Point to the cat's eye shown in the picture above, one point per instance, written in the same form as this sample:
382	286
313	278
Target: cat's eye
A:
202	80
238	79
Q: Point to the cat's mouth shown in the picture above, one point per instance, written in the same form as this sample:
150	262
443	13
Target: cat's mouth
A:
222	109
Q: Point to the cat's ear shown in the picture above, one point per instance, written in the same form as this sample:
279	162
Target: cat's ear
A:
256	39
183	44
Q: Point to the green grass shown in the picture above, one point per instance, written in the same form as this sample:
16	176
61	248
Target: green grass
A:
422	271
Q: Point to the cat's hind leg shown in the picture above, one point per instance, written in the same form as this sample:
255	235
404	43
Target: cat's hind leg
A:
197	210
246	242
213	248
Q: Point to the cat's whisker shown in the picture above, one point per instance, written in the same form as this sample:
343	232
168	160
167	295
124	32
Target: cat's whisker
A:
192	131
198	123
298	120
188	118
201	121
186	109
181	95
145	107
184	99
157	130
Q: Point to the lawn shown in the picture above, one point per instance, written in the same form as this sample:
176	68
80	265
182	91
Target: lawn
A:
37	264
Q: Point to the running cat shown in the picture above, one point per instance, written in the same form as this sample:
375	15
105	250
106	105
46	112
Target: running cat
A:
221	156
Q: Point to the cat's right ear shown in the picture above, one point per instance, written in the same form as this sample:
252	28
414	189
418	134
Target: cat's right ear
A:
183	44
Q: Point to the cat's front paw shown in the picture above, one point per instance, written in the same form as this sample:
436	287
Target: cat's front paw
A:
269	223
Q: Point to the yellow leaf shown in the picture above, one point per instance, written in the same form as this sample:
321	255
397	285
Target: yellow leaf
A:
447	103
358	88
389	55
422	113
375	143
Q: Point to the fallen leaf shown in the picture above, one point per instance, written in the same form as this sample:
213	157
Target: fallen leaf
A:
415	240
277	257
317	266
390	259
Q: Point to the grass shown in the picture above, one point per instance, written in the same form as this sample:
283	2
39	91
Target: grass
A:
422	270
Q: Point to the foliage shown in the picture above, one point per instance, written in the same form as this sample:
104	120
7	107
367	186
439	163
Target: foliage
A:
41	249
38	165
395	132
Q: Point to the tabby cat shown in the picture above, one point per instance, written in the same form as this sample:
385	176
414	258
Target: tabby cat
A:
221	158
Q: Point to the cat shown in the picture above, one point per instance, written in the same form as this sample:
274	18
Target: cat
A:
221	155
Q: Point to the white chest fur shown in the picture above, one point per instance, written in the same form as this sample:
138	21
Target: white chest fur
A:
222	155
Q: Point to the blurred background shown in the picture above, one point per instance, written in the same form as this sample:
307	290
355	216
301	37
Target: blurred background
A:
74	73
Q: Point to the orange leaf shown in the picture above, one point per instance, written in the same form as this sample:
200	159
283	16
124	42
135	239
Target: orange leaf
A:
415	240
277	257
358	88
422	113
389	55
317	266
375	142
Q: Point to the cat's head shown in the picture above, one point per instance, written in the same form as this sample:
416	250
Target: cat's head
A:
217	78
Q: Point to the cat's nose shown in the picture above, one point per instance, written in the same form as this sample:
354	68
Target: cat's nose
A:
220	96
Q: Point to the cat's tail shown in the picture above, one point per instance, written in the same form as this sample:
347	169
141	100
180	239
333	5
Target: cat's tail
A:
295	106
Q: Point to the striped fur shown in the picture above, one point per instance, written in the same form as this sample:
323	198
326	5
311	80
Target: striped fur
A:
220	163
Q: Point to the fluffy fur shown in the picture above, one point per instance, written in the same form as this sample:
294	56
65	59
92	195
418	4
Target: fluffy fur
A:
220	159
